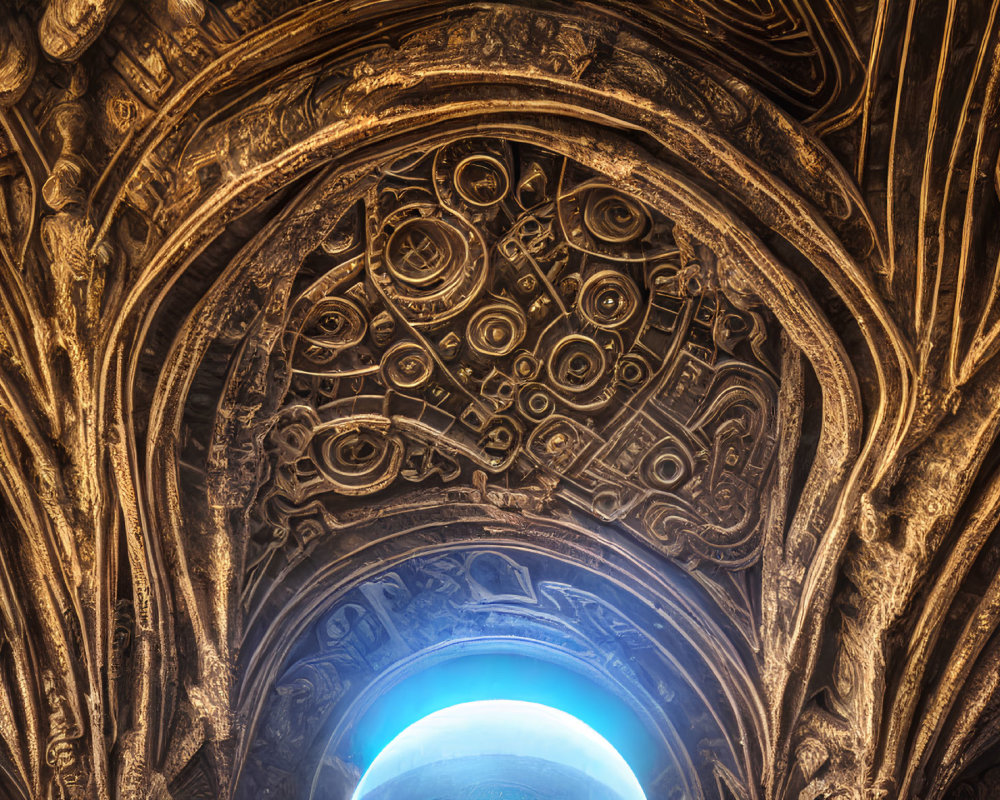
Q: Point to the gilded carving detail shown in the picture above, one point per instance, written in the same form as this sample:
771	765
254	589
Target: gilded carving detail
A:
661	334
492	306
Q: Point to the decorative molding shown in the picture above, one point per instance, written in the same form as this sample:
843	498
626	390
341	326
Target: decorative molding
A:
695	297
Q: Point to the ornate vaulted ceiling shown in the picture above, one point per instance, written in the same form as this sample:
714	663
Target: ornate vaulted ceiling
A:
342	340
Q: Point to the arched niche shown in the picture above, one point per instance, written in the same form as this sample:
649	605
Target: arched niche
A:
643	639
261	188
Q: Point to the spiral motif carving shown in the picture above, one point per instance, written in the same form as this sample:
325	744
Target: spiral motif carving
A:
576	364
428	267
526	366
406	365
292	433
609	299
665	524
335	323
614	217
496	329
358	457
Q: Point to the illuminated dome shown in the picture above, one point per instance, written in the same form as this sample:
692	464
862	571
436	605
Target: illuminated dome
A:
495	749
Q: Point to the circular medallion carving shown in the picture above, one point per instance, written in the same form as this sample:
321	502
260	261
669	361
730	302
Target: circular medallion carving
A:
429	268
576	364
496	329
426	254
609	299
481	180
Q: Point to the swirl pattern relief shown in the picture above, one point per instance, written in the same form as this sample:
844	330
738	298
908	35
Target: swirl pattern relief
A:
491	306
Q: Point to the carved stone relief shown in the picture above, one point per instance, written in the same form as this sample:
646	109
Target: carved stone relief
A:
683	313
492	307
404	617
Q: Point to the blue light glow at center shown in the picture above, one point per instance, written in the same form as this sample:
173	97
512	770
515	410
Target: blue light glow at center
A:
472	741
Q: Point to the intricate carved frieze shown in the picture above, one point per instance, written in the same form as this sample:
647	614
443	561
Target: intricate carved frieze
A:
308	308
490	306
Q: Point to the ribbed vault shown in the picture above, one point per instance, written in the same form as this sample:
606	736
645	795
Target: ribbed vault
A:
342	341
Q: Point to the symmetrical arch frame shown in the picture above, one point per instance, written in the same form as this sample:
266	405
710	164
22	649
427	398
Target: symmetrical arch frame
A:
132	445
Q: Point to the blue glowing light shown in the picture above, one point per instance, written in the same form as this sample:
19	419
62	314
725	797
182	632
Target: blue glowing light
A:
521	732
504	677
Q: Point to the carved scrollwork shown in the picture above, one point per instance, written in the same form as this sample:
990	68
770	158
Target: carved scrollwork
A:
569	342
358	456
715	283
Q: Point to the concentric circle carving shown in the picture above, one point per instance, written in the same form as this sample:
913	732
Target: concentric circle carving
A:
496	329
632	370
429	268
667	465
576	364
536	401
609	299
406	365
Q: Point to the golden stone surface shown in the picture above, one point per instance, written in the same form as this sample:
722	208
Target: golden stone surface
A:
664	331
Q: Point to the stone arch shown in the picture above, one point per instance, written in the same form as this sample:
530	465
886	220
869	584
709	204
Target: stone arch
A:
322	132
